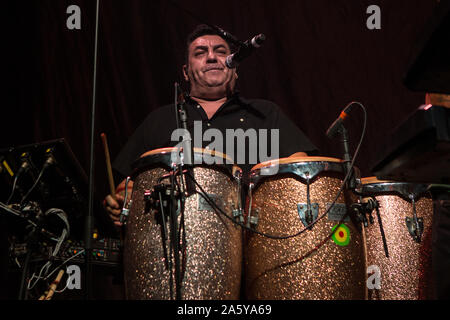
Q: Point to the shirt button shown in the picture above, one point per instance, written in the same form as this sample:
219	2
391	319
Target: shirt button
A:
209	124
241	119
198	106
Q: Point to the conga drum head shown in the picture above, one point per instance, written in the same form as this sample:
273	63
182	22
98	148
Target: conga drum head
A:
326	260
399	240
210	243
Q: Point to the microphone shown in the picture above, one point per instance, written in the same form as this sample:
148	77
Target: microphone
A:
50	158
188	150
227	35
50	161
26	163
244	51
337	124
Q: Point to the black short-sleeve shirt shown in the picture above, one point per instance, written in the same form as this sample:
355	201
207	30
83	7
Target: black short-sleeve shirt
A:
256	118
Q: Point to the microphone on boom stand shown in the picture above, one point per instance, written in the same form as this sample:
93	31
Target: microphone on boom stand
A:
338	127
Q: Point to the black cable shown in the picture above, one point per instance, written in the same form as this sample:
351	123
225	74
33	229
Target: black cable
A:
22	291
383	236
34	185
13	189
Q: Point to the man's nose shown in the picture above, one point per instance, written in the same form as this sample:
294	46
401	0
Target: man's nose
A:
212	57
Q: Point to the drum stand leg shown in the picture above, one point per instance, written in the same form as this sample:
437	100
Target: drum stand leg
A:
174	238
164	198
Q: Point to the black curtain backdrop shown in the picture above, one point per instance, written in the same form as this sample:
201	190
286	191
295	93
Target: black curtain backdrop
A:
318	56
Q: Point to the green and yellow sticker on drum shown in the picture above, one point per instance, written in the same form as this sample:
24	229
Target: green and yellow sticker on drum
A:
341	235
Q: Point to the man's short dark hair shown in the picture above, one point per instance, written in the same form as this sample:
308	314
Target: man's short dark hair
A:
204	30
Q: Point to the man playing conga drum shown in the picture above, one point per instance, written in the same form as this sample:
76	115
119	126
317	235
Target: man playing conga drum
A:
214	104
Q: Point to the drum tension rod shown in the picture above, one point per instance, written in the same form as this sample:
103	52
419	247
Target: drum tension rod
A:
308	212
253	213
414	224
308	216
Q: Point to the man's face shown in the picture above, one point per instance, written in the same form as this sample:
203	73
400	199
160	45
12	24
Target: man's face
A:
206	72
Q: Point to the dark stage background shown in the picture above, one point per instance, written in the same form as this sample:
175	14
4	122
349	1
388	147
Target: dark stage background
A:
318	56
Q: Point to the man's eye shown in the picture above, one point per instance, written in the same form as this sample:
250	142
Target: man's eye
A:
198	53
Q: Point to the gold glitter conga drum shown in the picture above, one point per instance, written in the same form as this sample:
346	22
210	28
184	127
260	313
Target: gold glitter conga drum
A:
210	243
399	240
326	261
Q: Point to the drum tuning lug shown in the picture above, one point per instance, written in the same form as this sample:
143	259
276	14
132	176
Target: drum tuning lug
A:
236	212
308	213
252	221
238	216
415	228
414	224
359	211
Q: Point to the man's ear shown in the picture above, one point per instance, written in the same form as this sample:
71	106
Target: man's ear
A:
185	72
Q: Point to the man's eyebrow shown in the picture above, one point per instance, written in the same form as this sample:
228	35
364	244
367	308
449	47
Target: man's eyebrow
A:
219	46
201	48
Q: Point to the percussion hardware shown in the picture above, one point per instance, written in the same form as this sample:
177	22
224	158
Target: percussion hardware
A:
126	204
238	214
174	241
308	217
159	198
304	170
364	207
251	186
308	212
414	224
252	222
154	200
404	189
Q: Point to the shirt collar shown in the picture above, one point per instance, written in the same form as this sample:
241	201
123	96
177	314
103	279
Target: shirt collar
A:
236	101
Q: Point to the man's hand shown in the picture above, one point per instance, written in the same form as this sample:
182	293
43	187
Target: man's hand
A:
114	206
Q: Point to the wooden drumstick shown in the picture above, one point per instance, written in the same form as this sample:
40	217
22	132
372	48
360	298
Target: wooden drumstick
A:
112	187
53	286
